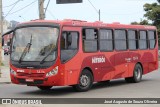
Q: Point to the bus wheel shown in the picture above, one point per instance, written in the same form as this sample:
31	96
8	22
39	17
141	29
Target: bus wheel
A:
44	87
85	81
137	75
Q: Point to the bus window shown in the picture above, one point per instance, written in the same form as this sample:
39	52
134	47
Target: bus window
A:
120	40
132	40
152	39
143	40
90	40
106	40
69	45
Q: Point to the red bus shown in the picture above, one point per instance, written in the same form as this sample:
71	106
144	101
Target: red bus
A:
78	53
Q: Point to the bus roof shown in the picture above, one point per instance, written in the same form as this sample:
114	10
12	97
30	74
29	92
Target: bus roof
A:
72	22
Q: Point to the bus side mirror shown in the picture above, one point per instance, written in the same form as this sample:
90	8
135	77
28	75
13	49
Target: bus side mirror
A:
7	33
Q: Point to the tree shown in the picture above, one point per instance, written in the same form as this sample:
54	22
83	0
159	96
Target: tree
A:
152	15
142	22
135	23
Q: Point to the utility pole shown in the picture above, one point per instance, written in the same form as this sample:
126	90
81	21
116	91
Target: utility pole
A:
1	32
41	9
99	12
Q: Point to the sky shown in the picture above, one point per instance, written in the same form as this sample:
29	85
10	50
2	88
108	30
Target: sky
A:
123	11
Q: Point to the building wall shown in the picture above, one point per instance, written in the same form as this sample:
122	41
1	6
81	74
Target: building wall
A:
6	27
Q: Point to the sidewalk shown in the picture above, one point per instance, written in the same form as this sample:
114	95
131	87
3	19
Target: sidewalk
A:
5	75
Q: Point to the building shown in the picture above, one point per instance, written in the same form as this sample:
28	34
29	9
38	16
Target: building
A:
6	27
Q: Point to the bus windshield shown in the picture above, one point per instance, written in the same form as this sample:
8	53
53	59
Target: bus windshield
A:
34	44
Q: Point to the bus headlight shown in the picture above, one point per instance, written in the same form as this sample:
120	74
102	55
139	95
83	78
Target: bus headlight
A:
53	72
13	72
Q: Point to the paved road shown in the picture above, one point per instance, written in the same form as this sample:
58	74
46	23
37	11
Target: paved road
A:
148	88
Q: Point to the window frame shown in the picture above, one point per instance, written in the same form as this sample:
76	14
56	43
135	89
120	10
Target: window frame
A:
77	38
136	35
155	34
78	44
143	39
106	39
120	39
95	28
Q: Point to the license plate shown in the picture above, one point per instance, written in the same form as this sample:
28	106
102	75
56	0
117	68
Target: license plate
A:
29	80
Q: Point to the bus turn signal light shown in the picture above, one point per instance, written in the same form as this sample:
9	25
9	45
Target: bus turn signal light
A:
13	72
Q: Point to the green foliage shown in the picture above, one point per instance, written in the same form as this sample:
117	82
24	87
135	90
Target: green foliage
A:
135	23
152	12
142	22
152	15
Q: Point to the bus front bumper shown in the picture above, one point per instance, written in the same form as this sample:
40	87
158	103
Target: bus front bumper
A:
36	81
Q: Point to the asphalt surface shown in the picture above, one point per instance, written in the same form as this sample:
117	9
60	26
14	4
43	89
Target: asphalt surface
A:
149	87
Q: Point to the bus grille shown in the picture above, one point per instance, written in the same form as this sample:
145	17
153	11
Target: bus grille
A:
31	75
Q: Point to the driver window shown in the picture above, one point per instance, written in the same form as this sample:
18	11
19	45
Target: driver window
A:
69	45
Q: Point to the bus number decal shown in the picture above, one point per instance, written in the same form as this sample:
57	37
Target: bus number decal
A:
135	58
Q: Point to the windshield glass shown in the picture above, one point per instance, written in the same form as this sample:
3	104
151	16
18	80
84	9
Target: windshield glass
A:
34	44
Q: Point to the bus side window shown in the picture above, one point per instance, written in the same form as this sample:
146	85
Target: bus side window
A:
152	39
90	40
69	45
105	40
142	40
132	40
120	40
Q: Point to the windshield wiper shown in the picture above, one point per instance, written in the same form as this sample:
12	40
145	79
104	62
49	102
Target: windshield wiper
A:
42	61
27	49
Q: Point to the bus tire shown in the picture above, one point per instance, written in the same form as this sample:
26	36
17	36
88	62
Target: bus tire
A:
44	87
137	75
85	81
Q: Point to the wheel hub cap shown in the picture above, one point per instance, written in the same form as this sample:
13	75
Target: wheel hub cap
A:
84	80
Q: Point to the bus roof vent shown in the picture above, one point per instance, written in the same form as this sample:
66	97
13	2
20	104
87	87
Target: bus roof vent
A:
67	19
35	19
74	20
116	23
98	22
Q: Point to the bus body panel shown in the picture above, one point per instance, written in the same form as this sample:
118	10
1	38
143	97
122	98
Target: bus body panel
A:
134	56
38	75
121	64
103	65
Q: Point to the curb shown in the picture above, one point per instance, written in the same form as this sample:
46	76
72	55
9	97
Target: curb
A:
5	82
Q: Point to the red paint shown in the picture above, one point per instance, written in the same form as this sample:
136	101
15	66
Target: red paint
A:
115	65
